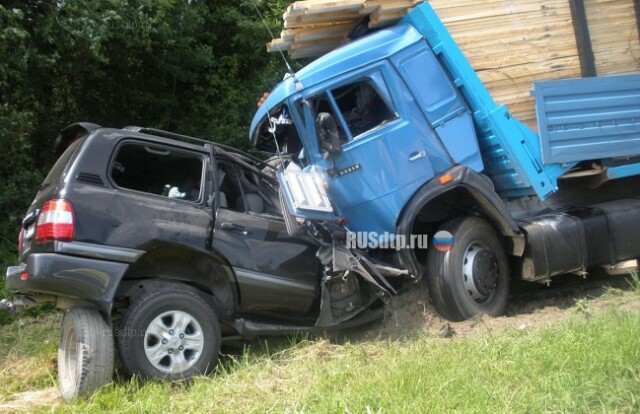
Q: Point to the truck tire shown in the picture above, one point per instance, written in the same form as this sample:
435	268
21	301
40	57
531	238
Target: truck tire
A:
169	333
85	353
472	276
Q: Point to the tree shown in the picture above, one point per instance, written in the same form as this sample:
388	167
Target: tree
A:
195	67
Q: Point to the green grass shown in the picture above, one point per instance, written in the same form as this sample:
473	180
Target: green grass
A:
27	354
588	365
634	282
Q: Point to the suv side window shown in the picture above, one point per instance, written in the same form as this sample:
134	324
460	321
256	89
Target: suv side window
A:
243	190
158	170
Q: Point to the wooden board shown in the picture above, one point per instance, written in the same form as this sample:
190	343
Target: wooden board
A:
316	14
614	36
512	44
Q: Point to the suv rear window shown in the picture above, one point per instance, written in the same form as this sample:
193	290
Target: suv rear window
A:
61	164
158	170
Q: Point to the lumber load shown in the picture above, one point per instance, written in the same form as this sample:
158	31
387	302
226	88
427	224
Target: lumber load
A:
513	43
510	43
614	36
315	27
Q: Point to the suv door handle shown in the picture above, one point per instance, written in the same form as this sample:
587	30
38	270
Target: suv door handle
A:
234	227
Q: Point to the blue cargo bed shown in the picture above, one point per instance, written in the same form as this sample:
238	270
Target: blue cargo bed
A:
587	119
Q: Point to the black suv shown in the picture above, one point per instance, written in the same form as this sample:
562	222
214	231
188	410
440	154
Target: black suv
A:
164	245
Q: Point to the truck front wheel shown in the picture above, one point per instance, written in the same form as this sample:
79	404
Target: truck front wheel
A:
467	273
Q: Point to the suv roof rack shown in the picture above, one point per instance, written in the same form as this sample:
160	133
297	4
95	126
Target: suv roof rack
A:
168	134
190	139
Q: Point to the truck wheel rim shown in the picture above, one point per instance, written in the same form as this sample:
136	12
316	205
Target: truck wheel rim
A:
173	342
480	272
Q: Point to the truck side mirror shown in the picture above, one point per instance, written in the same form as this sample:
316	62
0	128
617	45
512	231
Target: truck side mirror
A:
328	133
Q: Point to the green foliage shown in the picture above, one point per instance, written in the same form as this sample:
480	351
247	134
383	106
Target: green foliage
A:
195	67
18	114
582	308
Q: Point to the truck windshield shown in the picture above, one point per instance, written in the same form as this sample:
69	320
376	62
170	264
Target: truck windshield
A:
277	131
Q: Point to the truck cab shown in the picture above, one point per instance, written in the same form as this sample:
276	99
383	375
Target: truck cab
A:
396	118
406	140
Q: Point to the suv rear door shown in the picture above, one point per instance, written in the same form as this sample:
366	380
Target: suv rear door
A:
47	190
159	198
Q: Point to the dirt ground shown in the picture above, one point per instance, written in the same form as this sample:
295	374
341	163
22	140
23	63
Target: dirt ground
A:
30	400
531	305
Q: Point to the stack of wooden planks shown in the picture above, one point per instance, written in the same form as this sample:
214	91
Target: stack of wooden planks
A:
614	36
510	43
315	27
513	43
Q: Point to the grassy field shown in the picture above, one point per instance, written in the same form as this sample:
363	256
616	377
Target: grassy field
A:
27	354
589	363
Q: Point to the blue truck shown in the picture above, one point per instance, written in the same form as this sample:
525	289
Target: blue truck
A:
394	135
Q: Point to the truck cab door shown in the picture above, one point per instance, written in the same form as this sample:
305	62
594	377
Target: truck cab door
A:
274	272
388	150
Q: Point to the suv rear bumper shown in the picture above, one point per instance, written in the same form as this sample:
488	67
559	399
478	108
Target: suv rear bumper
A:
70	277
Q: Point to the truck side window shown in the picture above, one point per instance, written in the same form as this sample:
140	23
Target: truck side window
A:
321	104
362	107
158	170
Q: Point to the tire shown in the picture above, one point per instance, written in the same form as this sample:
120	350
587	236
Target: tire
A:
170	333
473	276
85	353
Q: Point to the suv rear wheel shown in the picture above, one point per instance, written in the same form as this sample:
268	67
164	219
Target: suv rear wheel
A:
85	353
169	333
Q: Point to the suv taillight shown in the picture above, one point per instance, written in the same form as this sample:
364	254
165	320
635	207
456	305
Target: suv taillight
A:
55	222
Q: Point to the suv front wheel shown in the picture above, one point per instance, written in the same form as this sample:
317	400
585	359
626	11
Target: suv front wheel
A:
169	333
